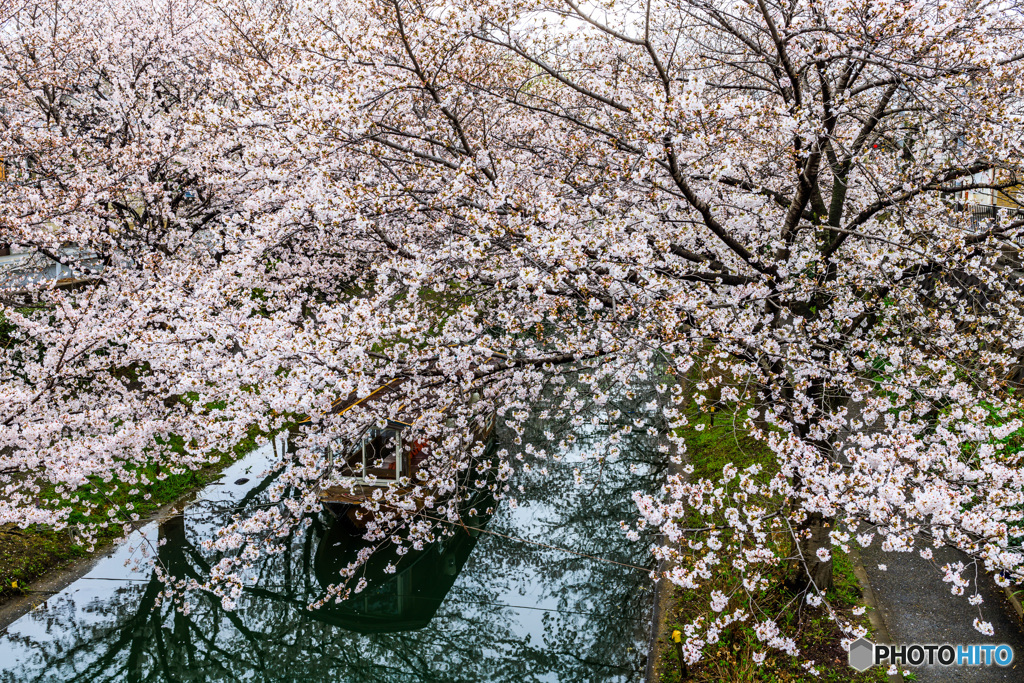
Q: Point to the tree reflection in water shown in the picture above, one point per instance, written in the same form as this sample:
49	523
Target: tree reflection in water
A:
478	607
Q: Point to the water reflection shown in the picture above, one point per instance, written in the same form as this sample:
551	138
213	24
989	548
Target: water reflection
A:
477	607
403	600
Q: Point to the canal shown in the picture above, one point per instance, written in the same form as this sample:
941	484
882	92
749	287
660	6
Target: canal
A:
502	602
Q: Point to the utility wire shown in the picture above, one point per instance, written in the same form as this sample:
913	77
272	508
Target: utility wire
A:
441	602
520	539
213	507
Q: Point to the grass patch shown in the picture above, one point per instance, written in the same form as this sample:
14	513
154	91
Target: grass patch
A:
26	554
721	442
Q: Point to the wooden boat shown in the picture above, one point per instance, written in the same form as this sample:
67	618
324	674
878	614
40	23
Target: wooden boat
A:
379	459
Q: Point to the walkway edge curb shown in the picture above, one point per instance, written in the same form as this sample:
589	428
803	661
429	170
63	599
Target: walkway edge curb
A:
1015	602
662	594
56	579
874	611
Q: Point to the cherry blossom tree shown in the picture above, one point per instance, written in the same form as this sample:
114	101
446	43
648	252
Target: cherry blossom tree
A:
755	207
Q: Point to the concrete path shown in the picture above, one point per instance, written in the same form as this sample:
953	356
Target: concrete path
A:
917	607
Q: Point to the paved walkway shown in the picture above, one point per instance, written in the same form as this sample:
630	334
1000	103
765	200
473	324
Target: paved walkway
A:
917	607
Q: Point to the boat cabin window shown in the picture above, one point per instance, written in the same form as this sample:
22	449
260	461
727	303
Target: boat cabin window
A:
376	455
379	453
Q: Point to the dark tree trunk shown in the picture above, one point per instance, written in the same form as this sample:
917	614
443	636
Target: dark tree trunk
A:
807	570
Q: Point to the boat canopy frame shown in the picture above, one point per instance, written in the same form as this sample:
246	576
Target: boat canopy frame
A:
365	439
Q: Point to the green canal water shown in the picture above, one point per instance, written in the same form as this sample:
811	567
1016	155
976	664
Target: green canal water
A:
480	606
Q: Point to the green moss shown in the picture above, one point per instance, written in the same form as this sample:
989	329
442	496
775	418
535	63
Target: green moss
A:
720	442
723	441
26	554
846	589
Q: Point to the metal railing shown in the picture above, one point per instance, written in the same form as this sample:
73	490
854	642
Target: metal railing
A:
981	217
